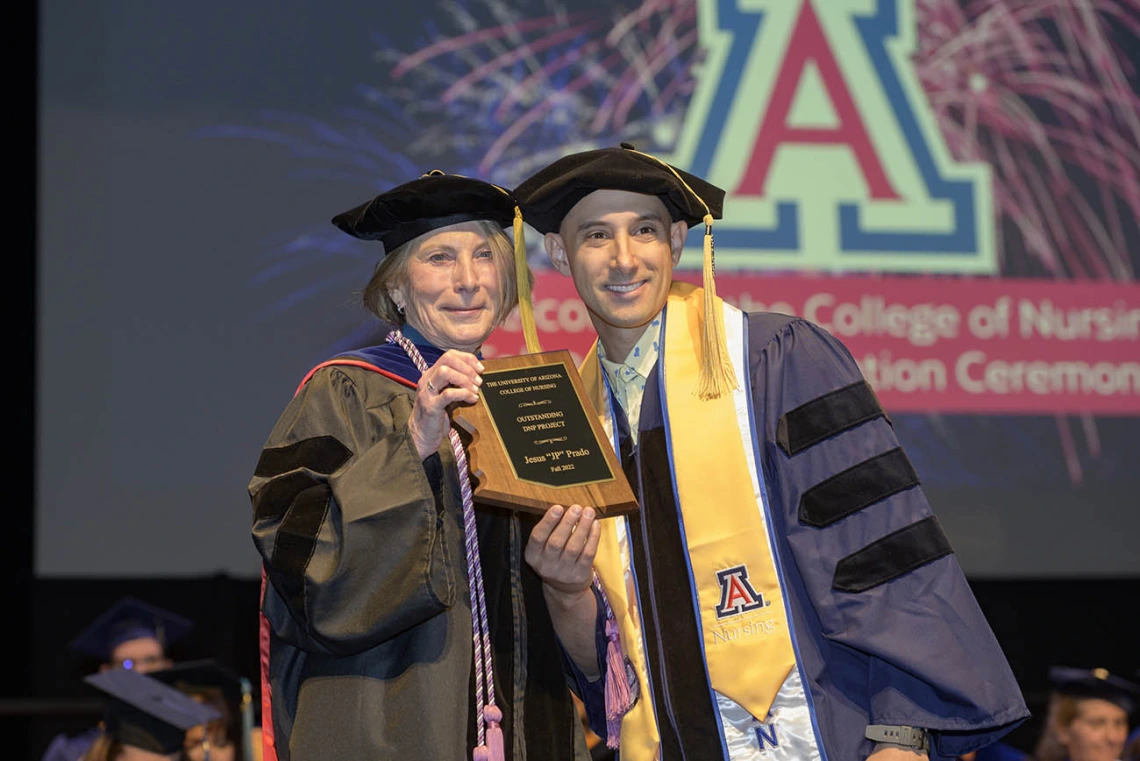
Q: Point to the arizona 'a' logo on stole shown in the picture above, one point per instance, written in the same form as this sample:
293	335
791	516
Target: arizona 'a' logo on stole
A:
743	619
736	593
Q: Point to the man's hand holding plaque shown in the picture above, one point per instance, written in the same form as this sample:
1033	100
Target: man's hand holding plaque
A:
537	442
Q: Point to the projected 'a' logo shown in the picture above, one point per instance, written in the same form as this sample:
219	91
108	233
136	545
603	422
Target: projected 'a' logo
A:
810	116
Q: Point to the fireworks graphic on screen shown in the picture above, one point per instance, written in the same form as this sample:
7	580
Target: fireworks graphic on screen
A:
1038	90
494	93
1041	92
523	90
1044	91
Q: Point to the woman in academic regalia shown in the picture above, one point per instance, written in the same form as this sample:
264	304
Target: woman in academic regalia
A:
381	571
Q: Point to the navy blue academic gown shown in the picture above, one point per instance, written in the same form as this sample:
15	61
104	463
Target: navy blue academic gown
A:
885	627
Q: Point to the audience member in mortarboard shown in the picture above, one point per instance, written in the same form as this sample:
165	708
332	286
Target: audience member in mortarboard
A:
144	719
1088	715
131	634
773	487
363	518
229	737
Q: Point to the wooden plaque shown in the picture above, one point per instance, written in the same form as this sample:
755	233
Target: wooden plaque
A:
537	442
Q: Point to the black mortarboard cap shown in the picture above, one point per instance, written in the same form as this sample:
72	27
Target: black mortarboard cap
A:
434	200
548	196
208	673
1095	683
129	619
145	713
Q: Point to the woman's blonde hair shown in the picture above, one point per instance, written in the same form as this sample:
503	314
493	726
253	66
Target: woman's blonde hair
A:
393	272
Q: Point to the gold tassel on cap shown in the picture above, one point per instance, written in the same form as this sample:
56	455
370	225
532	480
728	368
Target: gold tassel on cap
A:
522	276
717	375
522	281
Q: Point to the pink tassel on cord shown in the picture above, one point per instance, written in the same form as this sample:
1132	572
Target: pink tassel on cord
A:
617	685
493	750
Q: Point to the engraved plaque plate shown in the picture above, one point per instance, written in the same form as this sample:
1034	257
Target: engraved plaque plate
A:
536	440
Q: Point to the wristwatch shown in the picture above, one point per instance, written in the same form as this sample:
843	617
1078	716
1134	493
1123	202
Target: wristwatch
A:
907	737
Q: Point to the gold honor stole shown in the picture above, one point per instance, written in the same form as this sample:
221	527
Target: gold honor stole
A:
748	647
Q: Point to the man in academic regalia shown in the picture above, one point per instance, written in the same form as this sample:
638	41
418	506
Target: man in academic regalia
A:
784	591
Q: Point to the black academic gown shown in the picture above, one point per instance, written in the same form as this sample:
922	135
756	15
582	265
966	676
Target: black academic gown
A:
367	601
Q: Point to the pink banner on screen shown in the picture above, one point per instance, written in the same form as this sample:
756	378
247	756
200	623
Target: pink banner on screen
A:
930	344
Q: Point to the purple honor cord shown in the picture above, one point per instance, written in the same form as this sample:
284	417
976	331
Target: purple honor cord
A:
488	729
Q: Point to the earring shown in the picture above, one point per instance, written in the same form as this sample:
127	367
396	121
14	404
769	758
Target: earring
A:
399	309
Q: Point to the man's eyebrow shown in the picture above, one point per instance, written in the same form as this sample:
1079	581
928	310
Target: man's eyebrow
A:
592	223
649	216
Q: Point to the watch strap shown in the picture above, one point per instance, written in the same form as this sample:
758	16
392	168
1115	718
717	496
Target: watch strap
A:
908	737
